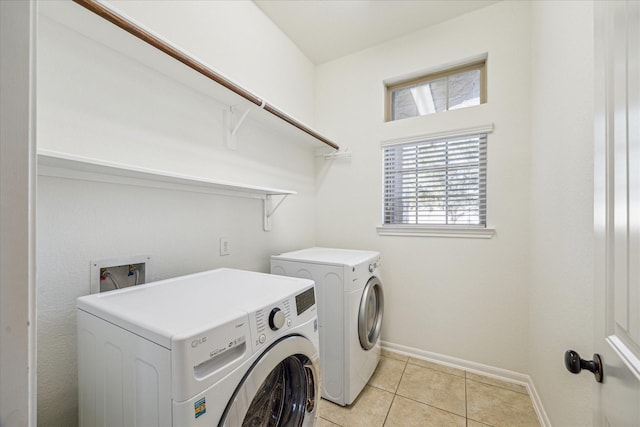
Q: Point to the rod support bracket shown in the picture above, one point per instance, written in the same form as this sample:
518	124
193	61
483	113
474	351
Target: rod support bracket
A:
229	129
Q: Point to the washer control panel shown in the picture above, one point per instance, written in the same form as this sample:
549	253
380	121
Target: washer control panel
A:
273	321
270	321
276	319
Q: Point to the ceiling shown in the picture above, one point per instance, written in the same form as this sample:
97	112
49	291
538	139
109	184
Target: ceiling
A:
328	29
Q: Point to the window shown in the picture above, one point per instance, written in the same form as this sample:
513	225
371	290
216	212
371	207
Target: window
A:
436	182
449	90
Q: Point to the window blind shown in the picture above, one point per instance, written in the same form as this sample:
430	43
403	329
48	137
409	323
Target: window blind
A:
436	181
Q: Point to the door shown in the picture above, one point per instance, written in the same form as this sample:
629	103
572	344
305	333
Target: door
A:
280	389
617	211
370	313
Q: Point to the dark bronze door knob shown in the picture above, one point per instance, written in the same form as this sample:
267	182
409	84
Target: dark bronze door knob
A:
575	364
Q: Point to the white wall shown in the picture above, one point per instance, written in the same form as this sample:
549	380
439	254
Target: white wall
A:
17	216
94	102
561	295
458	297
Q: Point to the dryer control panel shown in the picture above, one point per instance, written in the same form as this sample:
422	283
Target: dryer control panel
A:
375	265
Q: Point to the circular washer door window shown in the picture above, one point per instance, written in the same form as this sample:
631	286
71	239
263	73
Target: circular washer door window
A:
280	389
370	313
281	399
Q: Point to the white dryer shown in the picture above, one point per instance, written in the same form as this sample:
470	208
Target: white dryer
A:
219	348
350	310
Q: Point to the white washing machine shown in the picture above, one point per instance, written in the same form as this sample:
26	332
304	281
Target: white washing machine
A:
219	348
350	310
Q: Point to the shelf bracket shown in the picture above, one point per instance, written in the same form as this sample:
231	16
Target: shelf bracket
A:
269	210
237	126
229	129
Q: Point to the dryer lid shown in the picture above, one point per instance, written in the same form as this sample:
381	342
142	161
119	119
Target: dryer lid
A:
334	256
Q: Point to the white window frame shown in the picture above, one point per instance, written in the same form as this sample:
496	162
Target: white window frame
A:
467	231
446	74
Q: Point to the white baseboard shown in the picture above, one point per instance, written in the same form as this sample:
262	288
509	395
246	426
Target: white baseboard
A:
476	368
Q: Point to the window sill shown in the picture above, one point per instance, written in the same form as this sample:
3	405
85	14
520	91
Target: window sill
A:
436	231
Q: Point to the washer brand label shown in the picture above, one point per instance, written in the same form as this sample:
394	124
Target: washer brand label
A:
200	407
198	341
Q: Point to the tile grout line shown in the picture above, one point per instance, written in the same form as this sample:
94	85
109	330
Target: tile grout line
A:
329	421
395	392
466	401
430	406
389	410
438	370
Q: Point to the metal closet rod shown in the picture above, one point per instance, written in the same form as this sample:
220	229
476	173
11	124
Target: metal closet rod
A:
143	35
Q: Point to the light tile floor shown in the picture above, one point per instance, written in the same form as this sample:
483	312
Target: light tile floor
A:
408	392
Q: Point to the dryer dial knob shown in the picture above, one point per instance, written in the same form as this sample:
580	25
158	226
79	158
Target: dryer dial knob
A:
371	267
276	319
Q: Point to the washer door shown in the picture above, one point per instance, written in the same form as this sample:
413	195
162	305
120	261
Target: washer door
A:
280	389
370	313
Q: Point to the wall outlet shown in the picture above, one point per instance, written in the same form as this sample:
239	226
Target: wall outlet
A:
224	246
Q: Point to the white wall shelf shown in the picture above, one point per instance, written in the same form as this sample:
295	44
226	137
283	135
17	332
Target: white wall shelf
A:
63	165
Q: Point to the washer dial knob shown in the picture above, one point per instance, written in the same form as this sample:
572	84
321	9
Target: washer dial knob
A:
276	319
